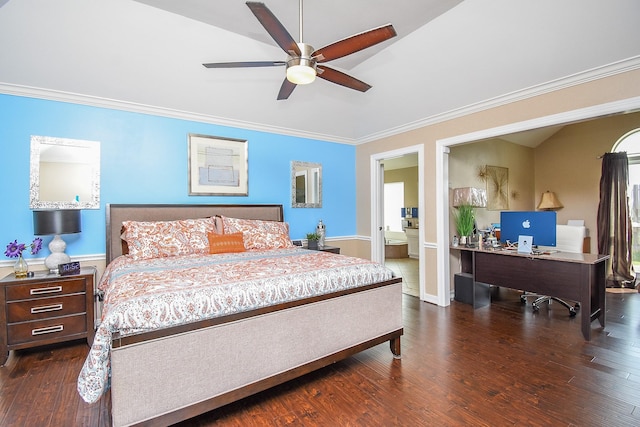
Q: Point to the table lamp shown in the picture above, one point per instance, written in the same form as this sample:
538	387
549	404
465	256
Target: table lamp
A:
549	202
56	222
475	197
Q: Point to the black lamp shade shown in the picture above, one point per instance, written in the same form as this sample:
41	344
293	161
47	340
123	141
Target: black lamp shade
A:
50	222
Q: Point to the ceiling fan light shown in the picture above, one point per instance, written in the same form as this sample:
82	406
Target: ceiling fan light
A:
301	74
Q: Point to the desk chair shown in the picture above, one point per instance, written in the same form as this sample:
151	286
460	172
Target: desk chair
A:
569	238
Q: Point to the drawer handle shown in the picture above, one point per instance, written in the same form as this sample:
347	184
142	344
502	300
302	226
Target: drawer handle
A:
45	308
49	290
47	330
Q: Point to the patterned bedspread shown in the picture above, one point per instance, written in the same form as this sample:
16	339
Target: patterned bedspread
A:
157	293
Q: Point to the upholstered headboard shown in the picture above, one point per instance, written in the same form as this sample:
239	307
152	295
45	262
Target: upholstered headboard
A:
116	214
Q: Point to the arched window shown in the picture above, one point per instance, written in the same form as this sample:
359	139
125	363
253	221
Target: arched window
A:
630	142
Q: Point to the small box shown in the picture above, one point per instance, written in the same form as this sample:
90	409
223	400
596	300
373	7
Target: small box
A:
463	284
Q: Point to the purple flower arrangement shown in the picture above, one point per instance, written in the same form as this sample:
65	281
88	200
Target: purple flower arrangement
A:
15	249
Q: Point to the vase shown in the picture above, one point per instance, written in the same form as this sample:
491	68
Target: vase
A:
320	231
313	244
21	268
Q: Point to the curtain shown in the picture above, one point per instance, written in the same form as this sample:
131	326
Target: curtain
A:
614	223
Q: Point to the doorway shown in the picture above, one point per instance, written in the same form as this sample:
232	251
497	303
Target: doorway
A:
442	172
396	239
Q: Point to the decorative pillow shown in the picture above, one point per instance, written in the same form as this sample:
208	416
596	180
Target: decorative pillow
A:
226	243
155	239
259	234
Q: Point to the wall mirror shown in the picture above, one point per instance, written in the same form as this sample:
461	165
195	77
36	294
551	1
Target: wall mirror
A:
306	185
64	174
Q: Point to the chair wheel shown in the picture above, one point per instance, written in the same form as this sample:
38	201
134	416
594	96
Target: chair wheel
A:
572	312
577	306
535	308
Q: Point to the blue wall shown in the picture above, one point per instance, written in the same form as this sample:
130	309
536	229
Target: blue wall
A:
144	160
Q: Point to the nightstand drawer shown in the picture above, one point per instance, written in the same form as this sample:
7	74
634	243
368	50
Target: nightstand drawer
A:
45	289
42	308
41	330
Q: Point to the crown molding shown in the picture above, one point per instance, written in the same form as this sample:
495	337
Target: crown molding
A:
619	67
598	73
95	101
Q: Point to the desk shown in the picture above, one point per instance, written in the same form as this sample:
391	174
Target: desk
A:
576	277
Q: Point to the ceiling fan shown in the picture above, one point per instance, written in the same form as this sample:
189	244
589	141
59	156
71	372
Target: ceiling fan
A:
303	62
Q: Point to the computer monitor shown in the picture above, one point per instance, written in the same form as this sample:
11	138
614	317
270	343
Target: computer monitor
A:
539	224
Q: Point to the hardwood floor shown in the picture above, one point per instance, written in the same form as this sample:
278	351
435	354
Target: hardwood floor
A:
498	365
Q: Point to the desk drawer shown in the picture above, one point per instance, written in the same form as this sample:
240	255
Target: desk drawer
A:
534	274
45	289
43	308
48	329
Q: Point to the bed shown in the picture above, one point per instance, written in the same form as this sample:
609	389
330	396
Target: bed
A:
160	376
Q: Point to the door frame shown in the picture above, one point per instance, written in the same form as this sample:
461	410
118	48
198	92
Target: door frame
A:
377	208
442	170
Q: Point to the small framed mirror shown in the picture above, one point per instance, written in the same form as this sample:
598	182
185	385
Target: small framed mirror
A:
64	173
306	185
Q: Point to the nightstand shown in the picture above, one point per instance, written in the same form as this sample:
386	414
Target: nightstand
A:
45	309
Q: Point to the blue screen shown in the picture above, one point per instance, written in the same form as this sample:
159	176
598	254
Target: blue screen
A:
541	225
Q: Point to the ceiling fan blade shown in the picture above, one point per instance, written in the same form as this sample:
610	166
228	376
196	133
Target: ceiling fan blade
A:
286	89
274	27
244	64
338	77
355	43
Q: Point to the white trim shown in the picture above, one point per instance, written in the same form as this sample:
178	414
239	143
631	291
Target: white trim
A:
442	223
376	247
40	261
95	101
604	71
376	244
608	70
442	174
634	158
433	299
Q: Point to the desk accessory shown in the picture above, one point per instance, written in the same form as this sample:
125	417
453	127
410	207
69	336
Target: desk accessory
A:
525	244
69	268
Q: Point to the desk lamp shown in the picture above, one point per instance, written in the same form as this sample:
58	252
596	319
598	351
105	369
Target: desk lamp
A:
56	222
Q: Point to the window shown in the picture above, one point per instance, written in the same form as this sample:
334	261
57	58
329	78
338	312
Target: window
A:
630	143
393	203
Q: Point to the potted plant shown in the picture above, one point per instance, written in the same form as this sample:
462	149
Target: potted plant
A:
465	220
312	240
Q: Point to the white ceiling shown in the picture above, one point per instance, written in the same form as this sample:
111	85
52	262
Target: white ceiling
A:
324	21
450	56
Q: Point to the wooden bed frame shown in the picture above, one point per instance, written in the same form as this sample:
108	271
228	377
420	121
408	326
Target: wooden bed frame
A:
166	376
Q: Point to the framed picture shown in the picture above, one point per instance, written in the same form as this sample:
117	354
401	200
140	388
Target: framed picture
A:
497	188
218	166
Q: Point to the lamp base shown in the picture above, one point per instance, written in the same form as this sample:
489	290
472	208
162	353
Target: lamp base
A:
57	257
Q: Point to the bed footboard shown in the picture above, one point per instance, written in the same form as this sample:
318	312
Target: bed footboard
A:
165	380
